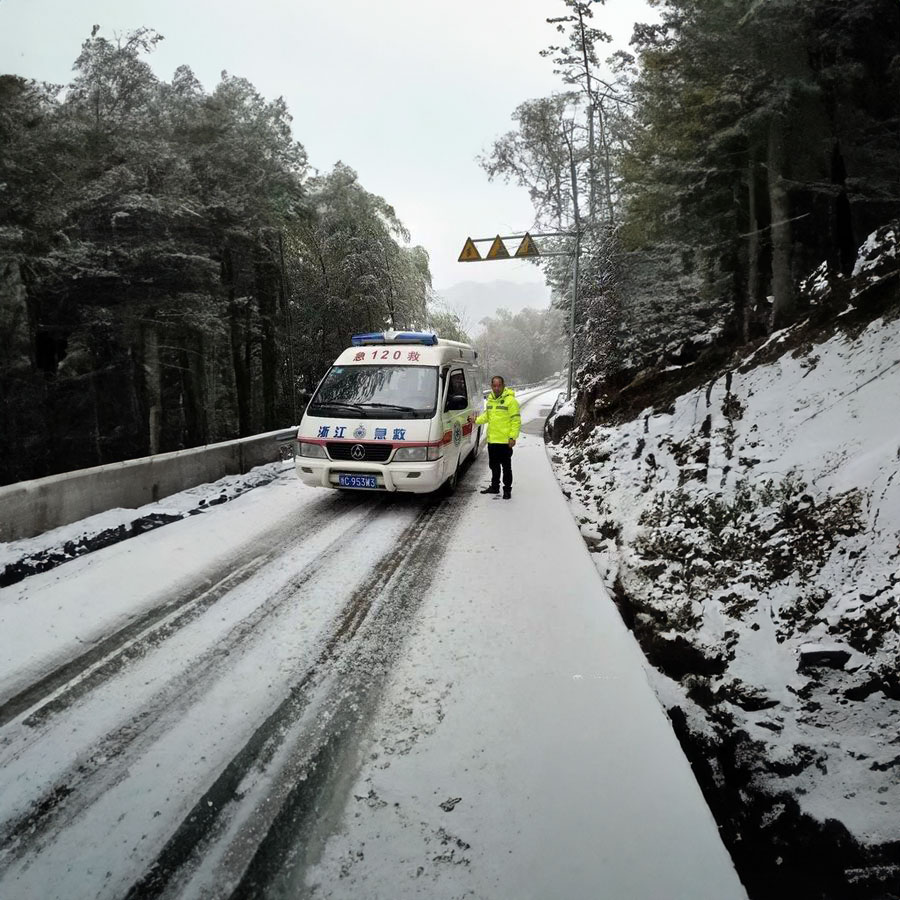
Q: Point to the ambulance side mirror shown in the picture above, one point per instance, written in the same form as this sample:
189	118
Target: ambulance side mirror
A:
457	402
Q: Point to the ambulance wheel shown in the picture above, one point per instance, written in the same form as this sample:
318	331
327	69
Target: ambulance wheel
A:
449	486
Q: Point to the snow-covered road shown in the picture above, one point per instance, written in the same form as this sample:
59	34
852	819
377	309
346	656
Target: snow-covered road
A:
304	693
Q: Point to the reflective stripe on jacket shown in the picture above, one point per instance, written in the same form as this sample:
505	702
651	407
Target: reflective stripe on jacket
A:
501	414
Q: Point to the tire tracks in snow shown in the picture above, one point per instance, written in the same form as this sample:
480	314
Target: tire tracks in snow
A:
256	819
75	677
91	774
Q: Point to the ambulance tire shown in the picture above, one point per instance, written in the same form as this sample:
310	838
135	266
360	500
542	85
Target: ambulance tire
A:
449	486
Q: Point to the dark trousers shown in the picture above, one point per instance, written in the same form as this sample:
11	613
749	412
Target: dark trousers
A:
500	457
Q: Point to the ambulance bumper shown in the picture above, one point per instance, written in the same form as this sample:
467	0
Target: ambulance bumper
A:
417	478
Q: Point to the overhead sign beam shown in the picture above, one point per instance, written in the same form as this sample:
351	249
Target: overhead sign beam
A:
520	235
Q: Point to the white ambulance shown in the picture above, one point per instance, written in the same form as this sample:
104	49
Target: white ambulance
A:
392	414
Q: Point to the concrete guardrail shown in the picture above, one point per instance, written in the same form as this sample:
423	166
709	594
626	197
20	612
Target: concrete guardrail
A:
28	508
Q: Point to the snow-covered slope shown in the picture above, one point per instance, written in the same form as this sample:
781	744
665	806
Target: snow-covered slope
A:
751	531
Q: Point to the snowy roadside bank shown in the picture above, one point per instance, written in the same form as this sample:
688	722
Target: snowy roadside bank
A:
750	532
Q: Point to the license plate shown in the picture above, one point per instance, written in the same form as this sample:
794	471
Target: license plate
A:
358	481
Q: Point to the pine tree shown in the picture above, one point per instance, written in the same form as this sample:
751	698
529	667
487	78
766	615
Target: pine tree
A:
169	273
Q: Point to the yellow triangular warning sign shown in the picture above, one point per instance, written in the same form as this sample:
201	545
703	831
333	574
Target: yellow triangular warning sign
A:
469	252
527	247
498	250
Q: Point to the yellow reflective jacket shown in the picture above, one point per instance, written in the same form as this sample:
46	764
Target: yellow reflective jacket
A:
501	414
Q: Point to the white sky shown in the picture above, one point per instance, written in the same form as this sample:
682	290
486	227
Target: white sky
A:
407	92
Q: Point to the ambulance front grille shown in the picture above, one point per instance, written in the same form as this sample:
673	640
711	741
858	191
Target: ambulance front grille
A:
370	452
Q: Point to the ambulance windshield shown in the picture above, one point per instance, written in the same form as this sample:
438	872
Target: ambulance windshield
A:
377	392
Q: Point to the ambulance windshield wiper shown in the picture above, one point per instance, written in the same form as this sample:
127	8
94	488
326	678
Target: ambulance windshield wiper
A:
337	403
391	406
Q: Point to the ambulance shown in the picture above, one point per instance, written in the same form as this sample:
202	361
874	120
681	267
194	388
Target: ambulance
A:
392	414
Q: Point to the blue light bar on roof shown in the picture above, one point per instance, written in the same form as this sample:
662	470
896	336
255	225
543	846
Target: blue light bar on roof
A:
428	338
374	338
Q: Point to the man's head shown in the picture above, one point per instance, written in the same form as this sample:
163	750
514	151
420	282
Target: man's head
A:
497	385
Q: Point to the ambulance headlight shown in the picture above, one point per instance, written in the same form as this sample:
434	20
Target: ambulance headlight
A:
411	454
435	453
315	450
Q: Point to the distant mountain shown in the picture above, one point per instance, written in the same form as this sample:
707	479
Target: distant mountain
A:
473	300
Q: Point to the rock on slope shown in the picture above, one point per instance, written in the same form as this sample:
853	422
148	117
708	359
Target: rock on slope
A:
749	528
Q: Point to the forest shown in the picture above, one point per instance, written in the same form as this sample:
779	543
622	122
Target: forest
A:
739	146
171	272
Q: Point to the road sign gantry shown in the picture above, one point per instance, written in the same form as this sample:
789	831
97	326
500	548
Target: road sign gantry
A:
529	249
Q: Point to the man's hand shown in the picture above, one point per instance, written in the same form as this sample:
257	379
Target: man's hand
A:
512	442
472	417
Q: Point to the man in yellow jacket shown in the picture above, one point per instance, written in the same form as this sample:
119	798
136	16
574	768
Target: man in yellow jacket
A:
503	420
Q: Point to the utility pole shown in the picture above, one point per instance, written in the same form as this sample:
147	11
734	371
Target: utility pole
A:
573	305
577	216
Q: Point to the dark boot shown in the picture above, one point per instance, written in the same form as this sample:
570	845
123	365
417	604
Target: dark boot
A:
491	490
507	493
